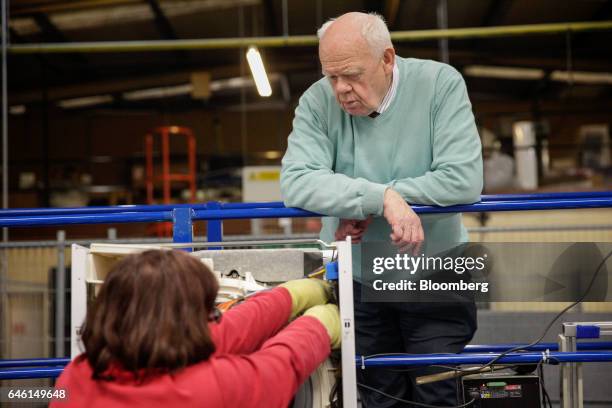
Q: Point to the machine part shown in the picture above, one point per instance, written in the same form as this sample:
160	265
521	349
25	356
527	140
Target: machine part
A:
266	265
237	288
347	319
315	391
508	391
572	392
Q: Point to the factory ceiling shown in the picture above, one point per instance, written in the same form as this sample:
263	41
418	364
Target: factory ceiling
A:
547	67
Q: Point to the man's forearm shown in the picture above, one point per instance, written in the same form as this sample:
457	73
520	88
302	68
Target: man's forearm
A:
331	194
441	187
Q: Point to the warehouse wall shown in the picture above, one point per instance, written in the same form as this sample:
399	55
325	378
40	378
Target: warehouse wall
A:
120	134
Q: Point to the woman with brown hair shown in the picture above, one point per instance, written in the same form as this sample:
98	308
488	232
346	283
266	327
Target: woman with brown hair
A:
154	338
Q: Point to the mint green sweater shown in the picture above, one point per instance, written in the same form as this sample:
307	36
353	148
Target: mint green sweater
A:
425	146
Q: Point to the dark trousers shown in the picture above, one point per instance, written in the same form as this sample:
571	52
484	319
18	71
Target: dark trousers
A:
414	328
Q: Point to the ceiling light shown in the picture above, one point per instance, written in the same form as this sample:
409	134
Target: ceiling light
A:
503	72
582	77
84	102
162	92
259	72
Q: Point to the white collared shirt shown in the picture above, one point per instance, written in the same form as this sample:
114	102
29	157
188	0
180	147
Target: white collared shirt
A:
391	92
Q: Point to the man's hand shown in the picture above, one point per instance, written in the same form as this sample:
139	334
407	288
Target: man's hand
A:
354	228
406	229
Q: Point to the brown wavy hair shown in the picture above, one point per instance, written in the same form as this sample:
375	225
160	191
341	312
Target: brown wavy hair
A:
151	315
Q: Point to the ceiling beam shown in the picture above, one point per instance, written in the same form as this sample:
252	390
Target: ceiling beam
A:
604	12
48	29
496	12
167	32
14	36
51	32
112	86
308	40
461	57
494	16
549	108
272	24
136	81
161	21
26	8
391	11
579	41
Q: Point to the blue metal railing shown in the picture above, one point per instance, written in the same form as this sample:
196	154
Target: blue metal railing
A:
484	358
183	215
15	212
214	211
472	354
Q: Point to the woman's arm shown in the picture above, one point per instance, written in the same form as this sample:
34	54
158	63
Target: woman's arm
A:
244	328
270	376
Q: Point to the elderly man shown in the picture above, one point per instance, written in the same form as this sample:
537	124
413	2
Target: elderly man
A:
377	132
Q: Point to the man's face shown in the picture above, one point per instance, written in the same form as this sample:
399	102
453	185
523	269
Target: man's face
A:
359	79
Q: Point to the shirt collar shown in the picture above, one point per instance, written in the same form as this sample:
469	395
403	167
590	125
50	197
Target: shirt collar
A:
384	105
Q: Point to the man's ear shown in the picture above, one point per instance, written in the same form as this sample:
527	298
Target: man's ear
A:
389	60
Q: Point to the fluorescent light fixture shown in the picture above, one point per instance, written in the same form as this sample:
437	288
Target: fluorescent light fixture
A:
582	77
259	72
185	89
231	83
84	102
503	72
162	92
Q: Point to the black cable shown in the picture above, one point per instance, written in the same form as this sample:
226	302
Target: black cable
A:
545	396
418	404
539	339
561	313
333	394
490	363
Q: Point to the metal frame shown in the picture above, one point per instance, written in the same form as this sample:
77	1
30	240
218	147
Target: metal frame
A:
78	303
572	391
347	319
214	213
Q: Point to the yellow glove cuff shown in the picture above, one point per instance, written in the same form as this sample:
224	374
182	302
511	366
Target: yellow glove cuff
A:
306	293
329	316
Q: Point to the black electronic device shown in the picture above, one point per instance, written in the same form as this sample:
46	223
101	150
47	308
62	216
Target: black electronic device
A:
502	391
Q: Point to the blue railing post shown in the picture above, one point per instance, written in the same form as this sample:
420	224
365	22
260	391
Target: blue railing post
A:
182	225
214	228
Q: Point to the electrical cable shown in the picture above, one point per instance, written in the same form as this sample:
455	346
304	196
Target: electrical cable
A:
533	343
498	357
545	396
561	313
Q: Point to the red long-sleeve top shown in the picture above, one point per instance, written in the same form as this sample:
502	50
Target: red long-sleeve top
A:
256	364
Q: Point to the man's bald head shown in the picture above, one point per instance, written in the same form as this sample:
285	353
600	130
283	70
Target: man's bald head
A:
356	30
357	57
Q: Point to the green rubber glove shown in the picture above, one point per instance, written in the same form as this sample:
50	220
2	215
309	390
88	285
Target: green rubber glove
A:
329	316
306	293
